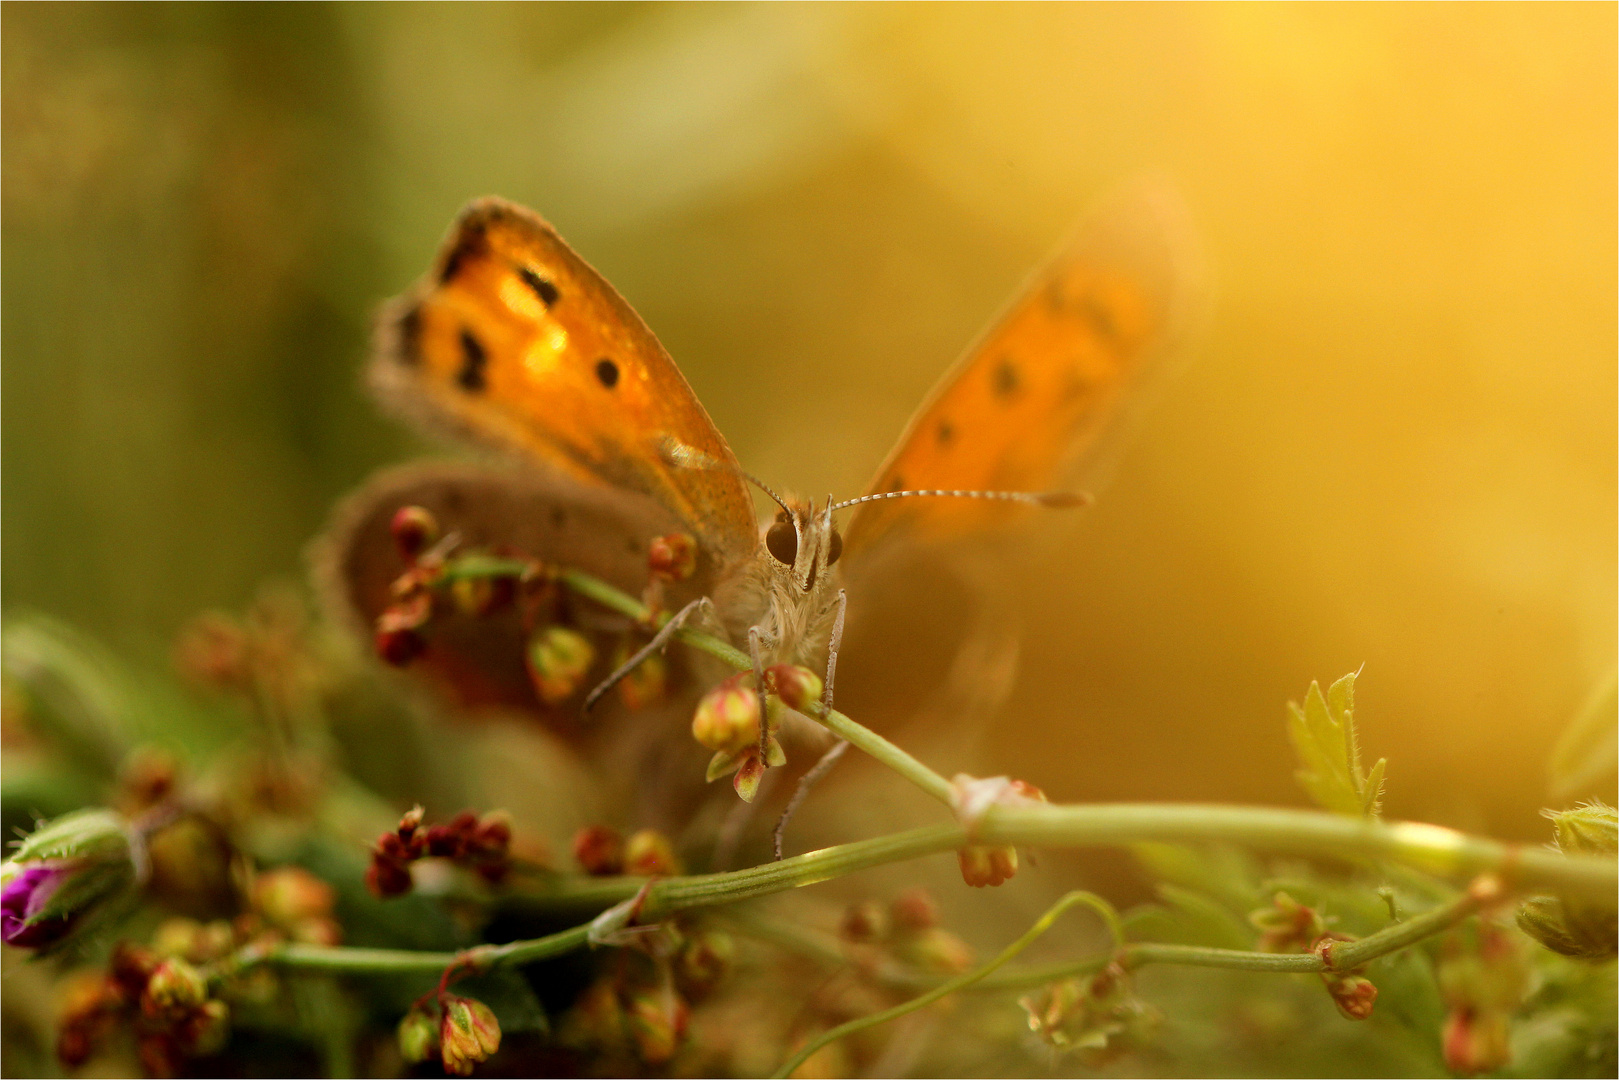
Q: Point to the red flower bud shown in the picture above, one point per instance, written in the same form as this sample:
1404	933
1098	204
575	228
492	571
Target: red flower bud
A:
672	557
799	688
386	877
727	717
399	646
599	850
414	530
914	910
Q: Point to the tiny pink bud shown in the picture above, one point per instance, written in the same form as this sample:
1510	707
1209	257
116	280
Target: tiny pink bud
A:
673	557
914	910
727	717
1353	994
798	687
558	660
648	853
863	922
468	1034
414	530
599	850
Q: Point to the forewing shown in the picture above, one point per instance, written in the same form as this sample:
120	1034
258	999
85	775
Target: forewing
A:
1029	405
513	339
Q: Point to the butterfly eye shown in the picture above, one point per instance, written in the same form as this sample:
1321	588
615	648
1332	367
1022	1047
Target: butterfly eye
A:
836	548
782	542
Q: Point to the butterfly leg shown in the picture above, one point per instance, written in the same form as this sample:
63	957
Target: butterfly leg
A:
659	641
830	758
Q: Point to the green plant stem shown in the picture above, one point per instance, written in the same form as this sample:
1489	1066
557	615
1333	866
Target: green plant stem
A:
961	982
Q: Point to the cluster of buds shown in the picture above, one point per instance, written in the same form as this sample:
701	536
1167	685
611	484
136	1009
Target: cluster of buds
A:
972	798
61	875
481	844
1581	929
165	1000
727	721
1288	926
602	851
267	656
1483	977
1096	1017
463	1033
908	930
296	904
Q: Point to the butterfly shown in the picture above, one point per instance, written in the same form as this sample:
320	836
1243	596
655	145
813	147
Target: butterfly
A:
513	342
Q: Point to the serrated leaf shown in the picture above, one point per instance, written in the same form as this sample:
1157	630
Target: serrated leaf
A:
1323	737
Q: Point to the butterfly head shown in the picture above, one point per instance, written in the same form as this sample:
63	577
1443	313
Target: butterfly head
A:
803	544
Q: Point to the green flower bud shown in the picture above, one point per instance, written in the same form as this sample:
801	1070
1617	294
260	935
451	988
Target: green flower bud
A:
418	1037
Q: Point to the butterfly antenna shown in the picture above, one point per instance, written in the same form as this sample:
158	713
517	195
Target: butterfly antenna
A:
1054	499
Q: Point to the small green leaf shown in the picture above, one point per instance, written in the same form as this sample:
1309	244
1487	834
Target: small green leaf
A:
1323	737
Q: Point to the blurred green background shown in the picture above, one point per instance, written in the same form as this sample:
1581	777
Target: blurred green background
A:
1395	446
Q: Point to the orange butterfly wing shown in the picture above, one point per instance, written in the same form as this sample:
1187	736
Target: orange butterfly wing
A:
1028	405
514	339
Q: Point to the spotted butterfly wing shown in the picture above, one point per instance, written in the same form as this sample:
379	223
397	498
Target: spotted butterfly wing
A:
513	339
1028	406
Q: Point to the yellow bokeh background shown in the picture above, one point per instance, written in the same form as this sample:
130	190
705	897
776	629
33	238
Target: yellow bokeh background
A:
1394	445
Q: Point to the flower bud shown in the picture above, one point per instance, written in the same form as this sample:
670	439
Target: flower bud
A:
936	950
60	874
1353	994
799	688
648	853
1544	919
418	1037
482	594
727	717
290	894
558	660
1287	925
1589	829
981	866
175	986
468	1034
672	557
657	1022
599	850
414	530
704	962
748	776
864	922
397	646
914	910
1475	1041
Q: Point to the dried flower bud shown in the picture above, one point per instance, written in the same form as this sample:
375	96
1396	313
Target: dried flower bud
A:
205	1030
468	1034
1287	925
414	530
914	910
418	1037
864	922
387	877
673	557
290	894
727	717
648	853
398	646
599	850
1353	994
493	835
657	1022
1475	1041
981	866
558	660
174	987
799	688
704	962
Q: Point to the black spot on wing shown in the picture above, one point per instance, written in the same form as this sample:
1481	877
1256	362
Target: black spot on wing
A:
408	343
543	288
474	360
1005	379
471	243
896	483
945	433
607	373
